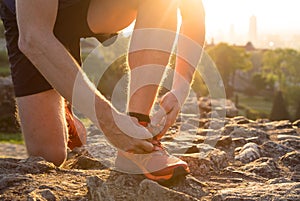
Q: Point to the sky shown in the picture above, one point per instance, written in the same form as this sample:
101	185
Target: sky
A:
278	21
273	16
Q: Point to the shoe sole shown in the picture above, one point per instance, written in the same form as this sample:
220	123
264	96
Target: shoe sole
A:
179	175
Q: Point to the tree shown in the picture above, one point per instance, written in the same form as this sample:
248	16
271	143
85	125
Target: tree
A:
279	109
282	65
259	82
228	60
1	30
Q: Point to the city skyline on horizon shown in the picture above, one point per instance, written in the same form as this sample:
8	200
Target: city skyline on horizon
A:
276	16
276	20
259	40
228	21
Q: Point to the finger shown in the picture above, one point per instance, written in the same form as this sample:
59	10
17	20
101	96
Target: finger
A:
171	118
146	146
135	150
158	116
140	132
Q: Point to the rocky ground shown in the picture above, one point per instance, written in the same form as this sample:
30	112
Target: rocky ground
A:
230	159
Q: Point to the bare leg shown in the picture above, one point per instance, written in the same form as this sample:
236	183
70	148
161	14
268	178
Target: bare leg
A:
43	125
161	16
112	16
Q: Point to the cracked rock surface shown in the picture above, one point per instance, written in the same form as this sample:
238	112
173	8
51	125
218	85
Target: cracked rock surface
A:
235	159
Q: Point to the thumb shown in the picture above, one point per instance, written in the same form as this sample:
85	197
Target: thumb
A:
159	116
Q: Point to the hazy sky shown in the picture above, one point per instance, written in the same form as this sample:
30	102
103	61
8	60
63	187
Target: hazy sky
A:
273	16
279	20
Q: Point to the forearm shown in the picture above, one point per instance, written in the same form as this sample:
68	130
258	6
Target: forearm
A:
64	74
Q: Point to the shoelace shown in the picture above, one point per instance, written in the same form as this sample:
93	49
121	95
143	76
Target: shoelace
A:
159	147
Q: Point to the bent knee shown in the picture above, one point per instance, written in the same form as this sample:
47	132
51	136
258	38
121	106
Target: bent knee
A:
55	155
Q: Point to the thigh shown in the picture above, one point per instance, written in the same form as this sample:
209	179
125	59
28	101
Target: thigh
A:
43	123
26	78
111	16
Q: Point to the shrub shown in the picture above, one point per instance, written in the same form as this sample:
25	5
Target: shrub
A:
279	110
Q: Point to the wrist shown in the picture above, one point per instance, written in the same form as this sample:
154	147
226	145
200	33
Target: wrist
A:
181	94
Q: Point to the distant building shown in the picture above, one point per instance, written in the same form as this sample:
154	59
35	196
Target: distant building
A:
252	34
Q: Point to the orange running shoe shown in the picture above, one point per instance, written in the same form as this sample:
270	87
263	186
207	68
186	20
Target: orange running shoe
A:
76	130
158	165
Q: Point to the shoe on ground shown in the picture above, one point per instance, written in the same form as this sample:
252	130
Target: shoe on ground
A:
76	130
158	165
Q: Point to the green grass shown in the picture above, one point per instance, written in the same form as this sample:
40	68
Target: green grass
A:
4	70
257	103
254	107
15	138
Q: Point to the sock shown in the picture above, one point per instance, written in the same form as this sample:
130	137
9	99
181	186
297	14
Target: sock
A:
143	119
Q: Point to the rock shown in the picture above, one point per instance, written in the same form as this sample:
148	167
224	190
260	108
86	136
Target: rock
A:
297	123
255	140
84	163
152	191
283	124
12	179
264	167
99	148
197	122
291	160
35	165
215	124
240	120
279	180
286	131
294	144
257	192
219	142
197	164
191	186
117	186
224	142
274	150
207	131
237	131
288	137
239	142
95	189
221	106
192	149
187	127
31	165
219	159
42	195
295	176
248	153
201	164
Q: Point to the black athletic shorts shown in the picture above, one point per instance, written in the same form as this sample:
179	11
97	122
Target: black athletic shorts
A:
71	25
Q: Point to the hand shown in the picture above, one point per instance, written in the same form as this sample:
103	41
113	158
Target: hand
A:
124	133
167	114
